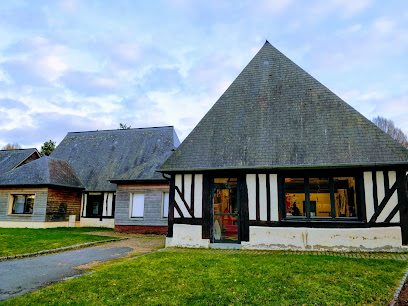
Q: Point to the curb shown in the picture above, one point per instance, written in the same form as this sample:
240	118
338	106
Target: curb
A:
58	250
399	288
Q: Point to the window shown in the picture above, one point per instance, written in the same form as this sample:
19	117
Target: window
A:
23	204
323	197
165	205
137	205
94	205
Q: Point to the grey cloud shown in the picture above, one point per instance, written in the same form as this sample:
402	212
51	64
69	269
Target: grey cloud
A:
88	83
23	73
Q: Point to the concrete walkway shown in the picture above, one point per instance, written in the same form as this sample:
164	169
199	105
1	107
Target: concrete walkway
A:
20	276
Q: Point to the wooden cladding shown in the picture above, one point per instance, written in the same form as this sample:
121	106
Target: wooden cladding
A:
61	204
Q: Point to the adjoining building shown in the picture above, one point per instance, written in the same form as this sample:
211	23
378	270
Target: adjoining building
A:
129	158
11	159
41	194
281	162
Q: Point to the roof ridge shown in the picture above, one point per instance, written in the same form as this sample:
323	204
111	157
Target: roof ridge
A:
123	130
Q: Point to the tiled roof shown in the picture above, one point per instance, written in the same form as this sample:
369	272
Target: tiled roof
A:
276	115
9	159
45	171
99	156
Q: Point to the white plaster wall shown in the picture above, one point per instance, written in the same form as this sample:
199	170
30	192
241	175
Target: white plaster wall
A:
198	195
187	236
368	190
178	199
187	189
273	179
95	222
263	213
315	239
251	185
380	186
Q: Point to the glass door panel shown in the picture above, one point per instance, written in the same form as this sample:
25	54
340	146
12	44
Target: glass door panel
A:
226	211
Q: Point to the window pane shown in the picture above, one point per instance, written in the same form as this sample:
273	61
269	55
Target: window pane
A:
295	197
226	228
345	196
29	205
18	204
138	205
94	201
165	204
319	197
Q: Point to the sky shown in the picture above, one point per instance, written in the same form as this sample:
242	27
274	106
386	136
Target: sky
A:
73	65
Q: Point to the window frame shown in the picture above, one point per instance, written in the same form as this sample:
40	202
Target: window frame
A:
11	203
359	193
131	205
163	205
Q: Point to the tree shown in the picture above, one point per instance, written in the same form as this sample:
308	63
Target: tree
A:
47	148
389	127
124	126
11	146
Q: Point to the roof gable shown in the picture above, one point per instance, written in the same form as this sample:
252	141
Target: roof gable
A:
10	159
274	115
100	156
43	171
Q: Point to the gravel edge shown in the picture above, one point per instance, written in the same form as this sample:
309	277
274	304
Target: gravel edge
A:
399	288
58	250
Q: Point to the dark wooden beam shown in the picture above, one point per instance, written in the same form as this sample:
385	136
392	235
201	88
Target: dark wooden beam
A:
319	224
268	198
171	206
375	189
244	212
192	192
386	181
184	202
257	197
403	204
207	207
383	203
190	221
392	214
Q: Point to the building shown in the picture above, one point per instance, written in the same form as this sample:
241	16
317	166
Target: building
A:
128	158
281	162
11	159
41	194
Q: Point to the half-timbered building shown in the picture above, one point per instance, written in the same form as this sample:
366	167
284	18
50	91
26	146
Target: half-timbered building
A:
281	162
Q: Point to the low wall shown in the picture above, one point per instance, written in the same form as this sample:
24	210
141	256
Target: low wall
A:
187	236
325	239
96	222
29	224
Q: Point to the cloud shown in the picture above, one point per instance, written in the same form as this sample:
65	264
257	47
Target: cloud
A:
384	25
89	83
12	104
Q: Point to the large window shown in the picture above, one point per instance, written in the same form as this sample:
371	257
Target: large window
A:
323	197
94	205
23	204
137	205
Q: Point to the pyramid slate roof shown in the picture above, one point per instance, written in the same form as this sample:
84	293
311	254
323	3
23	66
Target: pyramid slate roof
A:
45	171
10	159
276	115
99	156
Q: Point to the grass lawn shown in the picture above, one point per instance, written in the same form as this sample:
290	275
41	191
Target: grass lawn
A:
15	241
199	277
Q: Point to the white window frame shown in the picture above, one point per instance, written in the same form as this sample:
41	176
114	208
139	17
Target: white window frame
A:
132	203
164	204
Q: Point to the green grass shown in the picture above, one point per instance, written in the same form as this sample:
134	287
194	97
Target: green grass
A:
15	241
199	277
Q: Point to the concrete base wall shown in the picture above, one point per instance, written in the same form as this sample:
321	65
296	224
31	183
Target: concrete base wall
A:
141	229
187	236
324	239
28	224
95	222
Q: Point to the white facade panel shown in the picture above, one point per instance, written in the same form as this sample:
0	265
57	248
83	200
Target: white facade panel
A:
263	214
368	190
273	179
251	185
198	195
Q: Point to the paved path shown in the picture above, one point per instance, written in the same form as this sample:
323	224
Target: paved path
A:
20	276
